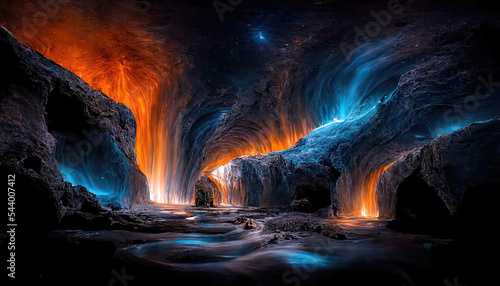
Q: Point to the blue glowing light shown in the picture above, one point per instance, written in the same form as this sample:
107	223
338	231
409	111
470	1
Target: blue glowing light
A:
205	224
350	89
304	258
102	168
439	128
440	131
94	185
261	36
190	241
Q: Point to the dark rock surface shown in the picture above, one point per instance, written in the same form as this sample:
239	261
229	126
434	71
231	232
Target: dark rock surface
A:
78	198
273	181
297	223
51	119
204	191
428	185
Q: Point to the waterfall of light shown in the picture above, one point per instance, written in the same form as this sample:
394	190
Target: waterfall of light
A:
359	197
229	185
357	191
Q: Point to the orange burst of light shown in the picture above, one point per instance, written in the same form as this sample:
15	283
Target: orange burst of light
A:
360	197
264	140
112	49
269	136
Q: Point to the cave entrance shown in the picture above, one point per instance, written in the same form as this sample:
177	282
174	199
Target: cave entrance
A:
419	209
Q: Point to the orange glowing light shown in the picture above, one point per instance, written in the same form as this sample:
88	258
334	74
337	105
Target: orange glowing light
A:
267	139
115	49
359	196
273	134
112	48
229	186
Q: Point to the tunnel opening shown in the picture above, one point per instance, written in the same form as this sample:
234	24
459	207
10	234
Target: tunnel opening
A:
419	208
99	166
341	95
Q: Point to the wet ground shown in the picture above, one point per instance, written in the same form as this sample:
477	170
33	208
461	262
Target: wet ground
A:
243	246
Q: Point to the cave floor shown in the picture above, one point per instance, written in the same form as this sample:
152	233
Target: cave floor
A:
230	245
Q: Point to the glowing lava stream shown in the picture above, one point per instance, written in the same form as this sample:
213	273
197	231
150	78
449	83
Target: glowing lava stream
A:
369	205
360	197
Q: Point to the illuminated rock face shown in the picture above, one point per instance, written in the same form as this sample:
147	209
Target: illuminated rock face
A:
441	171
55	125
397	99
205	190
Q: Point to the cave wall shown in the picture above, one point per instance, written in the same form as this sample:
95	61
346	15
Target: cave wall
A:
447	166
52	120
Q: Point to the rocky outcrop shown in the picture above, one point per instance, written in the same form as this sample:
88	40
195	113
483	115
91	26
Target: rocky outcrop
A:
427	187
204	191
273	180
296	223
52	121
77	198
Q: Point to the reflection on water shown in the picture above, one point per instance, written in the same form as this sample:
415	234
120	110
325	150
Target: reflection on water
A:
190	241
302	258
213	245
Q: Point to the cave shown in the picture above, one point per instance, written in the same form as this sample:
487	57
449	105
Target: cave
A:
224	142
419	208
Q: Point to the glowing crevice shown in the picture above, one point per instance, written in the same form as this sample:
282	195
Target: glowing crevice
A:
358	192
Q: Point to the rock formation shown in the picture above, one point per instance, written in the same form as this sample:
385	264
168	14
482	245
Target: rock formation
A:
52	120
